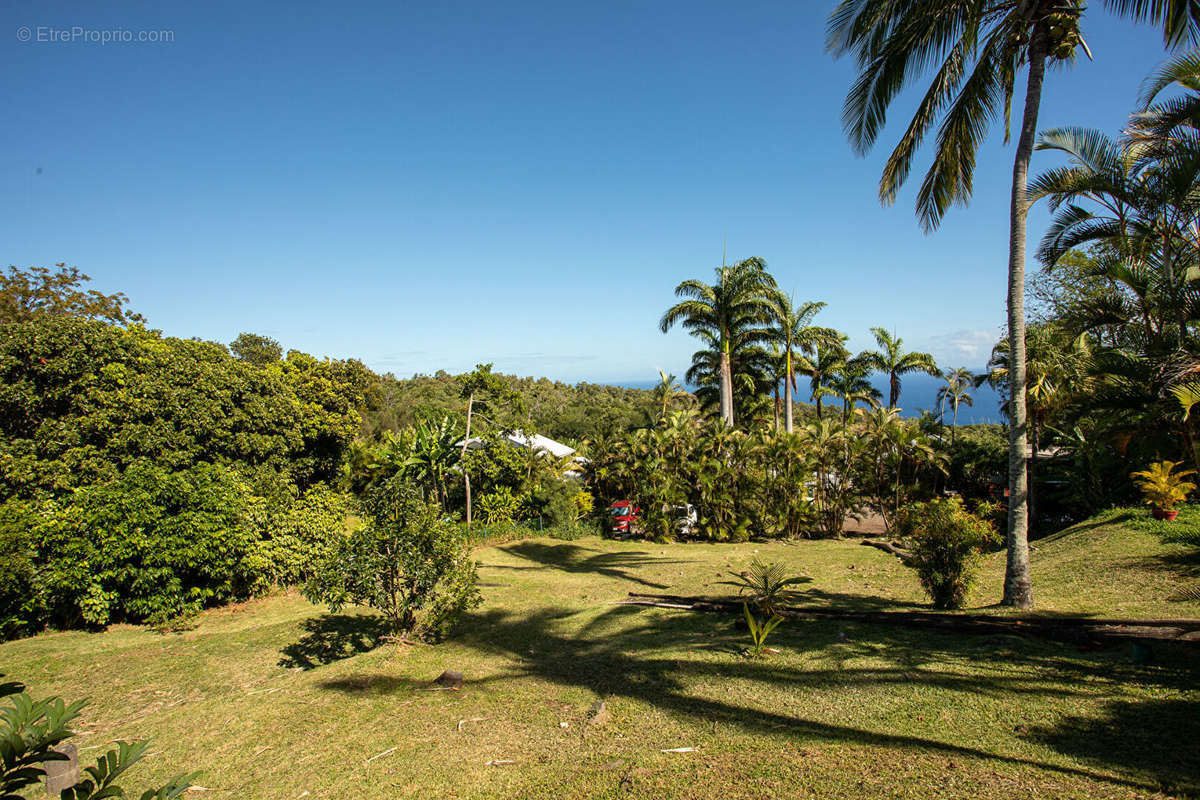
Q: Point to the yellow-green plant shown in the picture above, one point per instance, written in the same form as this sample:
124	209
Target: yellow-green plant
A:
1161	487
759	630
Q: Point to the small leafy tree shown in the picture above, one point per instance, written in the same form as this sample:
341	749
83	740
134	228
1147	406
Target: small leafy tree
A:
407	563
258	350
28	293
945	540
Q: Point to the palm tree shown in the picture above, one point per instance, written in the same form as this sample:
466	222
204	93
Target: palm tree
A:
794	333
1145	202
666	392
827	359
956	391
976	48
891	360
852	385
729	314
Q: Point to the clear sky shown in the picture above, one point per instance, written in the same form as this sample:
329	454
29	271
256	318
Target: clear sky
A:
431	185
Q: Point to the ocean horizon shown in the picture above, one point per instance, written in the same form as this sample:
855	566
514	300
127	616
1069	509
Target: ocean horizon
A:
917	393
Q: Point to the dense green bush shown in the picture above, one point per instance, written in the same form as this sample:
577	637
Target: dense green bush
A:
144	477
147	545
20	603
82	400
407	562
498	506
292	540
945	541
978	462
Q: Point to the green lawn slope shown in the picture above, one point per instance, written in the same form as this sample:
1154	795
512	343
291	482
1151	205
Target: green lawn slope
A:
277	699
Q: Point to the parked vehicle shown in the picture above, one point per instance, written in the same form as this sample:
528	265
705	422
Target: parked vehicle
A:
625	518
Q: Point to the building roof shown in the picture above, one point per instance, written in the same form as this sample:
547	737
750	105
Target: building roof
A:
537	443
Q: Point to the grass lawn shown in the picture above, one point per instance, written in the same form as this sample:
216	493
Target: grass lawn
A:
276	699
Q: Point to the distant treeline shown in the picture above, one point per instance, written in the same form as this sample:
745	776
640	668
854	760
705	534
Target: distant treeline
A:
571	413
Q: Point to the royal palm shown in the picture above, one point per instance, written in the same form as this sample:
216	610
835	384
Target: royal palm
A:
728	315
894	362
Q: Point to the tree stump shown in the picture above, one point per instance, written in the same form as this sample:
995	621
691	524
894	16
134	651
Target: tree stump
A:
62	774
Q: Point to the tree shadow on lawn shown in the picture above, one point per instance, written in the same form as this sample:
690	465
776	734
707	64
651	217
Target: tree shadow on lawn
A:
574	558
1152	738
372	683
332	637
636	662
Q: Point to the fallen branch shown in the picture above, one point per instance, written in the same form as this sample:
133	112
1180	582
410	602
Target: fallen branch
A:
889	547
381	755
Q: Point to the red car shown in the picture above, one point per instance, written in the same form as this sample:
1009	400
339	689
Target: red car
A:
624	515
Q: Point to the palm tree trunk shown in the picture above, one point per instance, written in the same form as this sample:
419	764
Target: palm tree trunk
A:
893	390
954	423
726	389
787	395
1018	589
466	473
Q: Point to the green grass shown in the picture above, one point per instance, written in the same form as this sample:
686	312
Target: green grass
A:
275	698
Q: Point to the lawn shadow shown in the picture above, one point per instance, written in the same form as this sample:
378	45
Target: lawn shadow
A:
576	558
371	683
1145	738
617	656
822	599
332	637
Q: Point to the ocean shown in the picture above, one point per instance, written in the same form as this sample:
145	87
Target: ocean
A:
917	393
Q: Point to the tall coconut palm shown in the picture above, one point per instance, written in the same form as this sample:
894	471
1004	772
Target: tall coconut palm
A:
892	361
794	333
975	48
733	312
956	392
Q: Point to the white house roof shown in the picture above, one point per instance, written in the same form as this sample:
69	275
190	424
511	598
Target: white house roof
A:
537	443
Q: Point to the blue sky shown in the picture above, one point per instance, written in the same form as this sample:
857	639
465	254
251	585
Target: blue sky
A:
428	186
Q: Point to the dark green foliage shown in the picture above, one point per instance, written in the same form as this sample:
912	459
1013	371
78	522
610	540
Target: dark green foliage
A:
944	540
20	603
258	350
978	461
144	477
571	413
27	294
29	733
406	562
147	545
